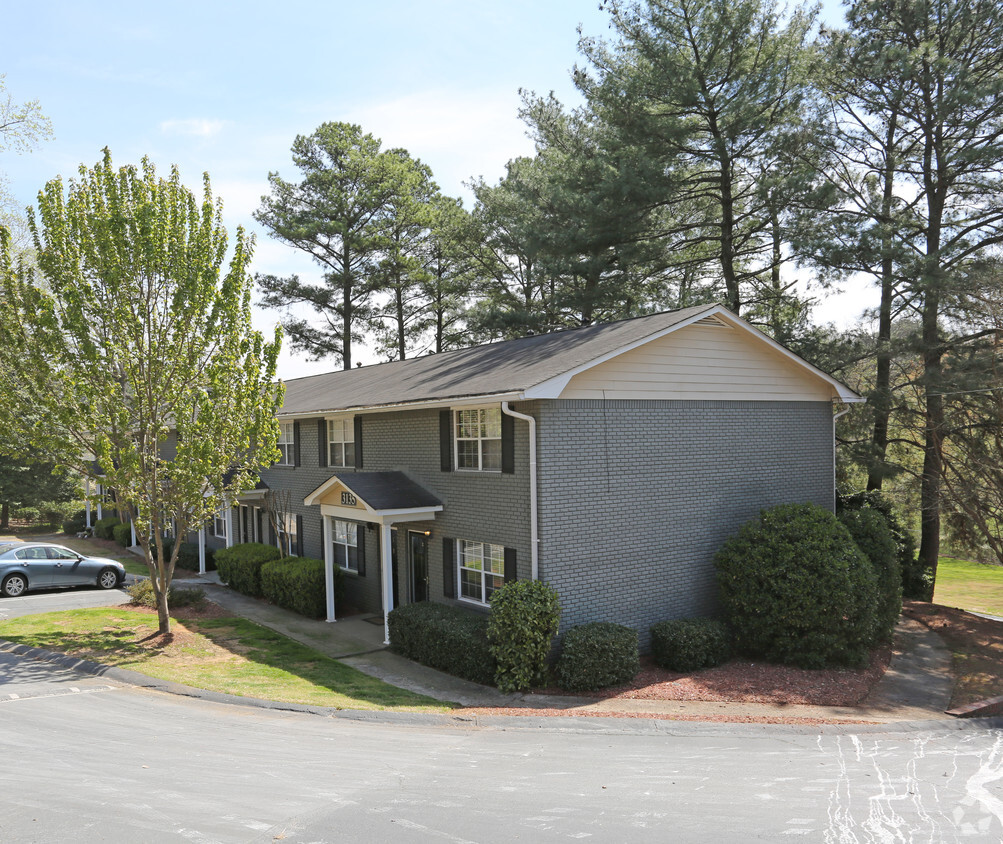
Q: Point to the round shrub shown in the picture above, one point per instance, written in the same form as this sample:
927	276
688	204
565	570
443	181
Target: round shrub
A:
597	655
103	527
141	592
299	584
75	523
689	644
240	566
122	534
795	589
523	622
870	531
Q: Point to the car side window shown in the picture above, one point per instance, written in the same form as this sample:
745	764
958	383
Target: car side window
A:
58	554
23	554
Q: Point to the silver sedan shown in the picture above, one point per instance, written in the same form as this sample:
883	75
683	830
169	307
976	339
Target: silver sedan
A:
34	565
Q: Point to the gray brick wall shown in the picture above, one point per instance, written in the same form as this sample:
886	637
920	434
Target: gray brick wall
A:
636	496
484	506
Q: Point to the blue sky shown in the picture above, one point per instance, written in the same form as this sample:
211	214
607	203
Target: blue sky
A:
225	87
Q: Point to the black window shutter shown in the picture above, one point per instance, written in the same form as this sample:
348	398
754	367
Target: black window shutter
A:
360	538
508	444
357	425
296	443
299	536
261	532
510	570
448	568
322	442
446	440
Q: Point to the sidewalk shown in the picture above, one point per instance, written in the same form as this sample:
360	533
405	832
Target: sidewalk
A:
916	687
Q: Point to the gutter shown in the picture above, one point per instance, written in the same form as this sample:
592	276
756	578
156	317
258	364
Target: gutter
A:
534	532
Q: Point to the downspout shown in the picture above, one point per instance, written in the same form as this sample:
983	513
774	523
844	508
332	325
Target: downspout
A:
534	533
836	416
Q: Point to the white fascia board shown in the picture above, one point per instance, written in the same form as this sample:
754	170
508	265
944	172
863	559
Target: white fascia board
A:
553	387
461	401
312	497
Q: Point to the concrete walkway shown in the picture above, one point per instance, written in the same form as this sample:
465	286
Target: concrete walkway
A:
916	687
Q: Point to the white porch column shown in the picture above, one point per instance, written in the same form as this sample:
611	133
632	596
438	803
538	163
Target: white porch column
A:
100	497
329	568
132	525
202	550
229	525
386	553
87	507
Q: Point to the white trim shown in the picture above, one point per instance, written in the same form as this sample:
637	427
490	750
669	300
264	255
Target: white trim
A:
328	568
418	404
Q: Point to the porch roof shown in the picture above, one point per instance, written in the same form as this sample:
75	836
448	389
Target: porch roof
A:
380	492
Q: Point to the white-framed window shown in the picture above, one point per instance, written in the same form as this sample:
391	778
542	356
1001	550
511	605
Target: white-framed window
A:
219	523
482	569
345	538
287	444
341	441
478	439
287	534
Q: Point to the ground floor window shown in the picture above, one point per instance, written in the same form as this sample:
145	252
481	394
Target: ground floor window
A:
288	539
345	537
482	569
219	524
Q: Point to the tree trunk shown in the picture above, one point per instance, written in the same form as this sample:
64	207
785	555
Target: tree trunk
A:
5	515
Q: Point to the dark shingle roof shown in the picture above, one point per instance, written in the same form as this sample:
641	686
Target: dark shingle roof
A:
388	490
496	368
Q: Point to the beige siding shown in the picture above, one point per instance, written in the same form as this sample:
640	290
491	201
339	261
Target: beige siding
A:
700	362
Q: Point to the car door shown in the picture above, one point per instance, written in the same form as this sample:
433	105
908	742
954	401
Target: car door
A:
35	563
67	567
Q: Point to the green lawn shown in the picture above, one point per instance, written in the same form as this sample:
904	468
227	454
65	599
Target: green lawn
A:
230	655
969	586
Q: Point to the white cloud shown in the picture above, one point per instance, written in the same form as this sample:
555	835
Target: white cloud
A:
197	126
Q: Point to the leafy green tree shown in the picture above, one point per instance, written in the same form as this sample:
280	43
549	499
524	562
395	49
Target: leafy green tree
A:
29	483
337	215
134	348
450	275
718	95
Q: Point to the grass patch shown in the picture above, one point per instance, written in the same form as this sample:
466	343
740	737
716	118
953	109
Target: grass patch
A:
229	655
969	586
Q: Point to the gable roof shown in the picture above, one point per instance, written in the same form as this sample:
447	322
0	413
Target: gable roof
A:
529	367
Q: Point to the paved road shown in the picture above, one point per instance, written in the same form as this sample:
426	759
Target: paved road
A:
107	762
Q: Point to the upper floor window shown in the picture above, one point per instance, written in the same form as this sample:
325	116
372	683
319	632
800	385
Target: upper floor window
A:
287	444
341	441
479	439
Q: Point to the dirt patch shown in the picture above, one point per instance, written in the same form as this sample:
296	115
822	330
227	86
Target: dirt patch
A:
751	682
736	718
977	645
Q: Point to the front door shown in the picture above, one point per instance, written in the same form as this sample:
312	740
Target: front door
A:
418	566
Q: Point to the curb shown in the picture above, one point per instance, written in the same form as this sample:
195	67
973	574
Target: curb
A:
597	725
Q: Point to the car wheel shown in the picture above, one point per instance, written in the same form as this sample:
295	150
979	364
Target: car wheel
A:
108	579
14	585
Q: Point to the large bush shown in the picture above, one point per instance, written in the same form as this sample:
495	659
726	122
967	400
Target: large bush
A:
75	523
917	579
521	628
142	594
596	655
122	533
240	566
298	584
103	527
796	589
870	531
689	644
188	557
449	638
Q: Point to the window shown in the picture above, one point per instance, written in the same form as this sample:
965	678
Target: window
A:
288	540
341	441
482	570
346	544
219	524
287	444
478	439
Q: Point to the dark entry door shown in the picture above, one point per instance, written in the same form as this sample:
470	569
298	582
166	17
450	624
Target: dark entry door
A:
418	566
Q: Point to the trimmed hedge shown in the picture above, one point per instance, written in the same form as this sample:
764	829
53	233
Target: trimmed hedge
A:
298	584
870	531
142	594
122	534
75	523
188	557
521	628
689	644
795	589
597	655
103	527
240	566
444	637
